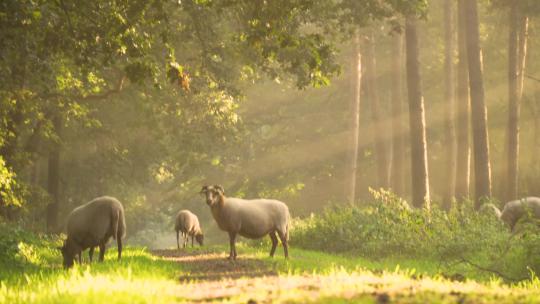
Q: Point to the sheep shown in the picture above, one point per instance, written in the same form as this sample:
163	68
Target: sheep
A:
249	218
188	224
514	210
91	225
491	209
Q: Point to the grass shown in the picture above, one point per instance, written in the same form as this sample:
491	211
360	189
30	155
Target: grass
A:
141	277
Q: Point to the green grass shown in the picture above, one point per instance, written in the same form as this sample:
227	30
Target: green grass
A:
141	277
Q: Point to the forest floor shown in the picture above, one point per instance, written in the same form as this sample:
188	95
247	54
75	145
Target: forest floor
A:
208	276
203	275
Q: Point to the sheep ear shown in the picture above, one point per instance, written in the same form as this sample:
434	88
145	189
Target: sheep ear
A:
204	189
219	188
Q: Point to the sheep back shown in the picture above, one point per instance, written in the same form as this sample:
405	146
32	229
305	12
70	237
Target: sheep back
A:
516	209
253	218
491	209
187	222
96	222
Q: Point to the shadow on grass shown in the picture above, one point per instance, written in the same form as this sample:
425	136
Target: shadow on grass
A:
209	265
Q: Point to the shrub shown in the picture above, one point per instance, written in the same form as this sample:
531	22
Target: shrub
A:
387	227
20	249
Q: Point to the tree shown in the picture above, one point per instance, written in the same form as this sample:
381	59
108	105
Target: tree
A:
482	168
450	134
517	51
53	180
376	117
355	114
463	163
417	121
398	123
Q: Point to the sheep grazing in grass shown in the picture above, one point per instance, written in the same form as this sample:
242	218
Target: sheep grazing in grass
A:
91	225
489	208
188	223
514	210
249	218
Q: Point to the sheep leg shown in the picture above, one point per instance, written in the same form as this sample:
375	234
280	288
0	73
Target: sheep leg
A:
178	239
119	243
274	243
192	240
232	243
185	238
283	239
91	253
101	252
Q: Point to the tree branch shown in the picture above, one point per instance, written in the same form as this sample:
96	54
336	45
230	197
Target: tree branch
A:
532	77
104	95
495	271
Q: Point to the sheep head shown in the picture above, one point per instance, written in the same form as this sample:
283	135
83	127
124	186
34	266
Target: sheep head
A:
200	238
214	194
69	250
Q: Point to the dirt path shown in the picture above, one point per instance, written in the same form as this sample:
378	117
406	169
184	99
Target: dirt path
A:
212	278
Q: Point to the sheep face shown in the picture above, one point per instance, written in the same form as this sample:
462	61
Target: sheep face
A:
213	194
200	239
69	251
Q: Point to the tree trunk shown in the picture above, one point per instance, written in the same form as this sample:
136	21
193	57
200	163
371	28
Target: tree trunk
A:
53	180
398	125
517	51
482	169
417	121
373	97
450	134
357	80
463	165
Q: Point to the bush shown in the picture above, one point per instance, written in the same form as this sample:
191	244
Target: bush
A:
21	249
387	227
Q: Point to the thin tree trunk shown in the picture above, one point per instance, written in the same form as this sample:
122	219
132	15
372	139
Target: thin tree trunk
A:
522	51
463	173
373	97
398	124
53	180
482	168
357	79
512	133
417	121
517	52
450	136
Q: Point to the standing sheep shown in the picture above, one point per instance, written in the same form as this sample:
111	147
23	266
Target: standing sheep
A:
250	218
188	224
91	225
514	210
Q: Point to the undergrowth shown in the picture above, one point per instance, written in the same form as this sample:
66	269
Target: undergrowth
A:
387	227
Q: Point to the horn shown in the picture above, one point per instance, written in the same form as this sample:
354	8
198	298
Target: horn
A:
219	188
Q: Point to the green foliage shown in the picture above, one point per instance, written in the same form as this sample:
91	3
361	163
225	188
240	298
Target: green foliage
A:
386	228
21	250
8	186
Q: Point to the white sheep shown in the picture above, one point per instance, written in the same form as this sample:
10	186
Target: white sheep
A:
514	210
188	223
250	218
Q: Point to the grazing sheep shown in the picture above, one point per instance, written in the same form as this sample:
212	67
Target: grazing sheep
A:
514	210
250	218
489	208
188	224
91	225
